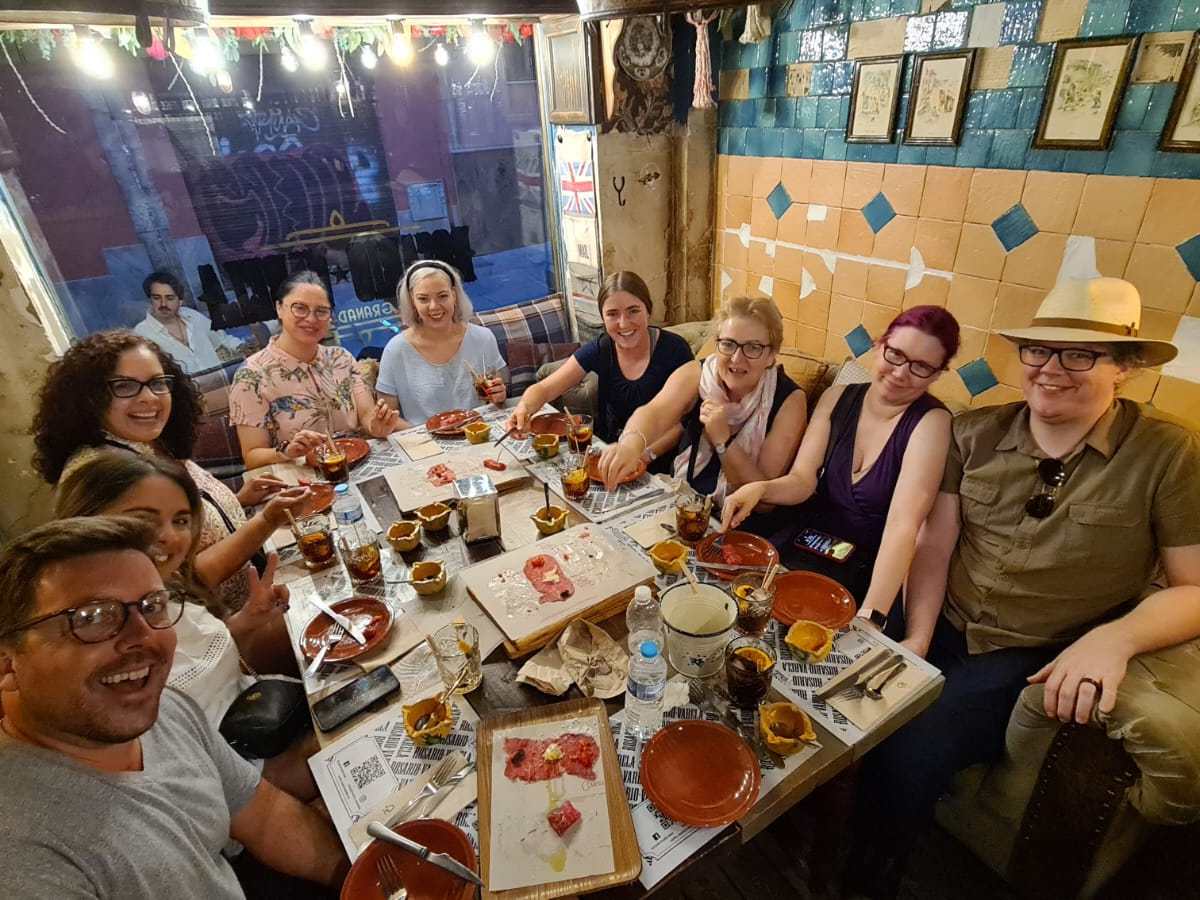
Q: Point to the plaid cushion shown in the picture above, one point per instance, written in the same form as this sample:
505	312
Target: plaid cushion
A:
529	335
217	447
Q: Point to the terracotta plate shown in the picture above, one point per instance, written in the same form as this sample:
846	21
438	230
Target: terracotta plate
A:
449	424
738	547
320	499
593	461
355	448
549	423
700	773
424	881
369	614
807	595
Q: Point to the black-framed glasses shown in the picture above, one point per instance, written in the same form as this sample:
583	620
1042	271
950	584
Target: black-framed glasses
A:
1054	475
102	620
1073	359
750	349
131	387
919	368
320	313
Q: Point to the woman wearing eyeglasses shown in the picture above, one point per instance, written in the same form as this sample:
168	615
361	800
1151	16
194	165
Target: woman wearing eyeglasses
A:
208	652
868	468
116	388
742	415
293	393
1038	565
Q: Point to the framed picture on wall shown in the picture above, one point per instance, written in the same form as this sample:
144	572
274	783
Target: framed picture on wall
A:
1087	82
874	99
939	98
1182	131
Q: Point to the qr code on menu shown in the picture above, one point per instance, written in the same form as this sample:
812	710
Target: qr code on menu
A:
366	772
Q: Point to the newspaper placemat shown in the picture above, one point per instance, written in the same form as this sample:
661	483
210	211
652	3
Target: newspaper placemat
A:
600	505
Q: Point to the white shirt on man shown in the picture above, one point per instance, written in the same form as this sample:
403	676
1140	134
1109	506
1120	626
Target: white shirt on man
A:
200	352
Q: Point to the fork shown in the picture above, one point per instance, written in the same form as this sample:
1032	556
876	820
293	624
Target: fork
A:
391	882
875	686
333	637
440	775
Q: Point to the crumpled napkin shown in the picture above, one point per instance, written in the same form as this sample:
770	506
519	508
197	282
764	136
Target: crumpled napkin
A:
585	655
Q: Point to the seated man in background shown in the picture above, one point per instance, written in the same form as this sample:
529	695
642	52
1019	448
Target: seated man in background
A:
184	333
111	785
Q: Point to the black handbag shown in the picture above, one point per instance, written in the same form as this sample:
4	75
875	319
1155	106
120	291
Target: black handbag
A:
265	718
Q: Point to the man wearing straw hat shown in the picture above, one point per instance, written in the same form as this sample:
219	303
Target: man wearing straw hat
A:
1038	566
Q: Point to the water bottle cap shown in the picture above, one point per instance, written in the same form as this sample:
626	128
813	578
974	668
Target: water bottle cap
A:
648	649
341	489
641	591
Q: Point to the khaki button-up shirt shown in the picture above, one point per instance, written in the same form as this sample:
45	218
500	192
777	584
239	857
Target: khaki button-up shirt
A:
1017	581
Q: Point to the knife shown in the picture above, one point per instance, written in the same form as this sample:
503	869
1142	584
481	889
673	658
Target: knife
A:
859	679
722	567
324	607
441	860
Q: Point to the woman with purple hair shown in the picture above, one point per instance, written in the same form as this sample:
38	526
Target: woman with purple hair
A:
868	469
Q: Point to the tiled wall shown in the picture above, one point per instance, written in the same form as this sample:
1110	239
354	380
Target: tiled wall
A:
843	236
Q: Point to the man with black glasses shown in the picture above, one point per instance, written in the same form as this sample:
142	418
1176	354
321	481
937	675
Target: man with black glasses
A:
112	785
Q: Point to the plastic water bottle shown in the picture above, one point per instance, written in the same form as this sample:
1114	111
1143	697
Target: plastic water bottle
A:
644	690
644	620
346	508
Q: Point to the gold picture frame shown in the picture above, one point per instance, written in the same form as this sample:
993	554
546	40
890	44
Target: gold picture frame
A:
1181	134
940	84
1087	82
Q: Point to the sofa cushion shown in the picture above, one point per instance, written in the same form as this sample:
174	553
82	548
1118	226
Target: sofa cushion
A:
529	335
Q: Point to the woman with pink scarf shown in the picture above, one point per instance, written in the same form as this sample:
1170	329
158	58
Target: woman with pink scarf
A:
742	416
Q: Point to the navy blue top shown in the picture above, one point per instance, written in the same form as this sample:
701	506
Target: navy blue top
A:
619	396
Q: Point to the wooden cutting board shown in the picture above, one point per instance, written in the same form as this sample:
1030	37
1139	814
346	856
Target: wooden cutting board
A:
627	859
412	488
603	570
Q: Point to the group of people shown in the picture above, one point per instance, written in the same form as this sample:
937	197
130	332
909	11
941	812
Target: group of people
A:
1011	544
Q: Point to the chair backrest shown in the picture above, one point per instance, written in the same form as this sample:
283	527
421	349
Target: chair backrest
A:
217	447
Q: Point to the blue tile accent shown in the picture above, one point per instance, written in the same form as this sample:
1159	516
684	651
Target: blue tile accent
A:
793	143
973	150
810	45
806	112
1104	17
1000	109
1047	160
1031	65
858	152
766	113
843	78
1189	251
814	142
737	142
1009	146
883	153
1132	153
822	79
785	112
909	155
1152	15
877	9
859	341
1133	107
829	112
747	110
779	200
942	156
1014	228
777	81
798	18
833	46
788	49
1177	165
764	141
1020	22
976	102
1160	104
1031	107
1090	162
830	12
878	212
835	144
905	7
1188	17
978	376
758	84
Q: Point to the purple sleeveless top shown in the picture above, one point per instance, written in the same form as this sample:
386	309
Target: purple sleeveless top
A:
858	512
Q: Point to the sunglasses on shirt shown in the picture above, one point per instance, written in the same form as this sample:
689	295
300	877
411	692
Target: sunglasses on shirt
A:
1053	475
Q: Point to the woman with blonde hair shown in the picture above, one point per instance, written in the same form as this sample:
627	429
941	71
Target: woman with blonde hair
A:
742	416
430	366
632	359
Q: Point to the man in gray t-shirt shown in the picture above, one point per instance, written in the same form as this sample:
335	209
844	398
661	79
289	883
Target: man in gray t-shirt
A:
110	785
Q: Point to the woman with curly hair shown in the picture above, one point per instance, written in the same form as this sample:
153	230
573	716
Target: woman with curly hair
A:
120	389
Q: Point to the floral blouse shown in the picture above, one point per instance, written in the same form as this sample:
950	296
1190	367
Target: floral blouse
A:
278	392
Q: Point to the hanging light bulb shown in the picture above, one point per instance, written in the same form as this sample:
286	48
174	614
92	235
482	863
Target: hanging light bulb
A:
480	49
367	57
207	58
440	56
288	60
90	54
401	48
313	52
141	102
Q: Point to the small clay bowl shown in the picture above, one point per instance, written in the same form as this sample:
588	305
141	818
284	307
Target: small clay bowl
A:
429	577
550	520
404	535
440	723
546	445
435	516
669	557
478	432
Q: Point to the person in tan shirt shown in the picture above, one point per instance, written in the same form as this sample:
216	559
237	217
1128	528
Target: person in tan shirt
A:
1036	564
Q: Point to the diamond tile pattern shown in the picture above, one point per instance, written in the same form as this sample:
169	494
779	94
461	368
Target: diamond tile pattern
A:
1189	250
878	212
1014	228
978	377
859	341
779	200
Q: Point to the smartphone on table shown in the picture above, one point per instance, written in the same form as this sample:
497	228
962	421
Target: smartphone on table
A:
348	701
824	545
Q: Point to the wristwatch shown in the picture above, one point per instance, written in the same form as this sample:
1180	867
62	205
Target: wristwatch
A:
874	616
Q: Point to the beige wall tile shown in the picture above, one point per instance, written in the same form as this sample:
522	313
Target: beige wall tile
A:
1141	386
951	391
1061	19
1173	213
757	260
1194	306
793	226
844	313
1160	276
885	286
828	182
1015	306
855	236
735	84
766	175
787	298
980	253
1001	356
789	264
722	173
810	340
930	292
823	234
836	349
789	333
796	175
863	181
799	79
1112	257
822	277
850	278
1159	325
1036	262
1179	398
733	254
876	318
972	300
896	239
737	284
993	193
937	241
737	210
763	223
741	175
972	345
814	310
945	194
904	187
1052	199
1113	206
997	396
754	284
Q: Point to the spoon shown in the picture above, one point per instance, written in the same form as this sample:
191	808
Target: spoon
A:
441	697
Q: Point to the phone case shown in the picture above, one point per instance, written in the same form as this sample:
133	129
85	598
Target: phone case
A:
347	702
824	545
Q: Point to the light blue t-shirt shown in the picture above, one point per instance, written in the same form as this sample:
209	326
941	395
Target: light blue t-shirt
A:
424	389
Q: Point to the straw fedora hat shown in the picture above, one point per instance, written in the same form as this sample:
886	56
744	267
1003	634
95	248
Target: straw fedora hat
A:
1093	311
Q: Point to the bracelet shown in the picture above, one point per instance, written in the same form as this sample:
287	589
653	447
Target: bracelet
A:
645	443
